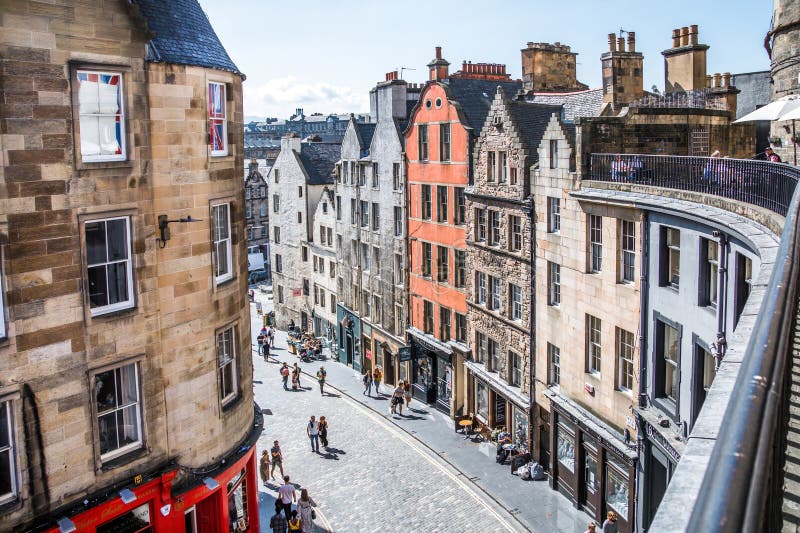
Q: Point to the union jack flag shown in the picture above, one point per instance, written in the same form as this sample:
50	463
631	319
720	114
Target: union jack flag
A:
102	99
216	116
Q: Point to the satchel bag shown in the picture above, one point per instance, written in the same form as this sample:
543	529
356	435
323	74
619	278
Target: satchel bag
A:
313	514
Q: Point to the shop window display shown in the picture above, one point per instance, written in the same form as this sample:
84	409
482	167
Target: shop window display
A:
237	503
520	428
565	447
482	400
617	488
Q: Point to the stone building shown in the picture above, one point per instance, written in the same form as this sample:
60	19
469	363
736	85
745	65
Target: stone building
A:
587	298
256	210
125	371
371	234
692	117
550	68
440	141
322	249
781	44
498	267
330	127
296	183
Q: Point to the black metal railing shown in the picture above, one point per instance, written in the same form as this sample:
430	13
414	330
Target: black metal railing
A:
761	183
742	488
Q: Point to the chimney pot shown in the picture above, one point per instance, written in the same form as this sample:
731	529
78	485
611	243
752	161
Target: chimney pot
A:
676	38
693	34
726	79
621	44
612	42
717	79
631	41
685	36
708	81
438	52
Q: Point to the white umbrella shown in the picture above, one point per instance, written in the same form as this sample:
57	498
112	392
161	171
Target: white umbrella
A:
773	110
785	108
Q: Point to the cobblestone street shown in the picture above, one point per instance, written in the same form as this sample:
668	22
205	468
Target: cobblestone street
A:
392	473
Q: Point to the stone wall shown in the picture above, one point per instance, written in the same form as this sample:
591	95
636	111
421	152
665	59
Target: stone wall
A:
54	343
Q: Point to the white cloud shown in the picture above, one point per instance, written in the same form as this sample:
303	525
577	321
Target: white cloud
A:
281	96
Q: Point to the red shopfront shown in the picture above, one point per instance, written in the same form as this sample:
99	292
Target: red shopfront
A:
226	502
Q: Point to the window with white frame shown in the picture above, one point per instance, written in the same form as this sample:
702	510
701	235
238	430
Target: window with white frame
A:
515	301
514	369
276	203
627	251
376	260
490	166
109	265
481	347
376	217
494	228
515	233
480	288
365	256
444	142
398	221
398	269
460	208
553	214
101	116
480	225
445	331
595	243
553	153
263	209
427	259
709	271
397	182
460	268
226	359
625	348
670	257
426	202
554	283
8	458
493	348
494	292
118	408
223	270
554	362
375	174
218	120
427	317
398	318
502	167
442	264
276	235
461	327
364	214
593	351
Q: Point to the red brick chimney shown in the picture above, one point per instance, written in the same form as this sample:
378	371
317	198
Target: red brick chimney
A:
438	68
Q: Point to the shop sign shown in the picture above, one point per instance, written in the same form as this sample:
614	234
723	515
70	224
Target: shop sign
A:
368	354
630	422
404	353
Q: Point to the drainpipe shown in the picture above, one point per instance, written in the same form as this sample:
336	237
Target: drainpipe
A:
643	288
529	210
720	342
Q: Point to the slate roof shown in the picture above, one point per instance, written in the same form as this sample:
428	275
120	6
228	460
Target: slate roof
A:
257	142
475	97
318	160
532	120
183	35
576	104
365	132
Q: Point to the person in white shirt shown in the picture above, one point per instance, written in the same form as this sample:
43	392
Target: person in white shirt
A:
312	429
287	495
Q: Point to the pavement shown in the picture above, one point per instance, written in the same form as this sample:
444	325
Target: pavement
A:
390	472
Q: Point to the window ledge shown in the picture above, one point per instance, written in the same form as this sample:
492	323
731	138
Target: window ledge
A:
112	315
12	504
94	165
223	283
593	375
666	406
232	403
124	459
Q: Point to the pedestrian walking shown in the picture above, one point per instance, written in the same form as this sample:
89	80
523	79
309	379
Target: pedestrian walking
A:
263	466
278	521
271	337
610	525
407	392
367	383
307	514
295	380
285	376
323	431
297	371
312	430
266	352
592	528
294	522
397	398
260	341
378	377
286	495
277	459
321	375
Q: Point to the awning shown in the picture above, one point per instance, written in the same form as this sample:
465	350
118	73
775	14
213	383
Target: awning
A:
493	380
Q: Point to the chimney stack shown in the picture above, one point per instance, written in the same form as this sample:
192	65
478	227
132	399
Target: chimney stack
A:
622	71
438	68
550	67
685	62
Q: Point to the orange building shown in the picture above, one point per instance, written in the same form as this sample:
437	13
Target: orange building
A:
442	131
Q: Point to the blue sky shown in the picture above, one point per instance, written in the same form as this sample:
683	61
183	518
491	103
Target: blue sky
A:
324	56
